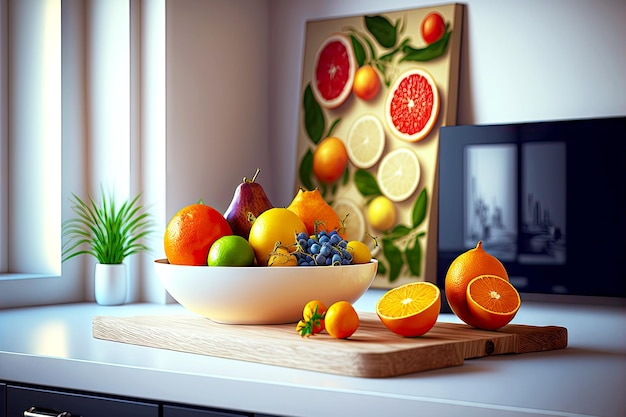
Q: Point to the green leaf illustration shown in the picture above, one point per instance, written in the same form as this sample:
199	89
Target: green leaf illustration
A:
414	256
366	183
359	50
382	30
432	51
306	170
314	122
394	257
419	208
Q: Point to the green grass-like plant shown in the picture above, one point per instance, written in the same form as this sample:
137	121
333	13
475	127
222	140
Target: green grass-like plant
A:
109	233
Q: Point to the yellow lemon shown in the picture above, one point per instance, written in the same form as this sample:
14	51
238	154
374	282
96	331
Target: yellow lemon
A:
381	213
275	227
360	252
231	250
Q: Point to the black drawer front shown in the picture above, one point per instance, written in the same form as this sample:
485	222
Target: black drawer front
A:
19	399
176	411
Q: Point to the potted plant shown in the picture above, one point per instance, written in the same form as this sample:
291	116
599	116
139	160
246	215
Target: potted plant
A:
109	233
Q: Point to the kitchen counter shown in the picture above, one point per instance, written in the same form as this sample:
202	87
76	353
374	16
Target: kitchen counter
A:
53	346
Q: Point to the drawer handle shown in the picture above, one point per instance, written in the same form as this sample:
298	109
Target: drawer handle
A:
38	412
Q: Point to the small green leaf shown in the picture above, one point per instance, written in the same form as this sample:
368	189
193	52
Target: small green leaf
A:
394	257
359	50
332	127
306	170
414	257
314	122
366	183
432	51
419	208
398	231
382	30
382	269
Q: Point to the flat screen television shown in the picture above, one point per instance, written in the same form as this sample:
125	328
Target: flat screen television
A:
546	198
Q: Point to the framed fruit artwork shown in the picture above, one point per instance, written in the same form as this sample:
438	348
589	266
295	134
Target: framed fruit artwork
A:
375	91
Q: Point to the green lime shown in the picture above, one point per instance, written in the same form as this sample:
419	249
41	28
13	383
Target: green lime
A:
232	250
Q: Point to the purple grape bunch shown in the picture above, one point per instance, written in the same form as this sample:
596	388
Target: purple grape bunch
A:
323	248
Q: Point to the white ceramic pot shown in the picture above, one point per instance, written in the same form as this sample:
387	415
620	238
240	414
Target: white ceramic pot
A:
110	284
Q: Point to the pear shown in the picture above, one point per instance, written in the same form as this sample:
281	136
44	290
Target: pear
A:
248	202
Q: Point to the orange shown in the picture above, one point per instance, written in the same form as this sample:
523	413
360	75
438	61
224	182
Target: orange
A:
410	310
341	320
412	105
462	270
191	232
366	82
282	257
493	301
330	160
275	227
333	71
315	212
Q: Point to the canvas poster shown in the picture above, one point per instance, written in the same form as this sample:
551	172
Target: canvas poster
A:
380	86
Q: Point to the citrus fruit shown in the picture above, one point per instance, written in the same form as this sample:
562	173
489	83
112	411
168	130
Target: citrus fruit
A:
493	301
360	252
315	212
366	83
412	105
282	257
381	213
433	27
462	270
191	232
231	250
399	174
341	320
277	226
351	217
333	71
411	309
366	141
330	159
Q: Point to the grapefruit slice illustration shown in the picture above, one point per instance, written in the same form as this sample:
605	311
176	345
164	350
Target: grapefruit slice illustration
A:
333	71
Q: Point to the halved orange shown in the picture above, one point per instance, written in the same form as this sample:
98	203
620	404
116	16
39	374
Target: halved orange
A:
493	301
411	309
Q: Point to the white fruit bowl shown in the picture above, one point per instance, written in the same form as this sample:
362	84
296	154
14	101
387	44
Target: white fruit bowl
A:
262	295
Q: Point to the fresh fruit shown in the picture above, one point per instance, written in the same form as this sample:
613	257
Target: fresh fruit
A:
462	270
360	252
249	200
493	301
322	249
352	218
381	213
333	71
410	310
399	174
275	227
232	250
366	83
191	232
330	160
282	257
412	105
315	212
312	321
341	320
433	27
366	141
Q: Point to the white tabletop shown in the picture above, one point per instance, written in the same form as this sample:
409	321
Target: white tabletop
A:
53	346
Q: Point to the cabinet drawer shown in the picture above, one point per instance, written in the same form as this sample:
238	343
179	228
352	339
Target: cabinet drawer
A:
19	399
180	411
3	396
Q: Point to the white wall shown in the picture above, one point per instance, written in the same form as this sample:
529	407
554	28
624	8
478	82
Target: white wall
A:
521	61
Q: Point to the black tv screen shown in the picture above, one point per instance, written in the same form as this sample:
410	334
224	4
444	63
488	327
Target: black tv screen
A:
546	198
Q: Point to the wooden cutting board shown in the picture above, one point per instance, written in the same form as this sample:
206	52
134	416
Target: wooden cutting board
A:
372	351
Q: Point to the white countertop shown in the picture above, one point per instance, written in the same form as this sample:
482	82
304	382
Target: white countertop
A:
53	346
